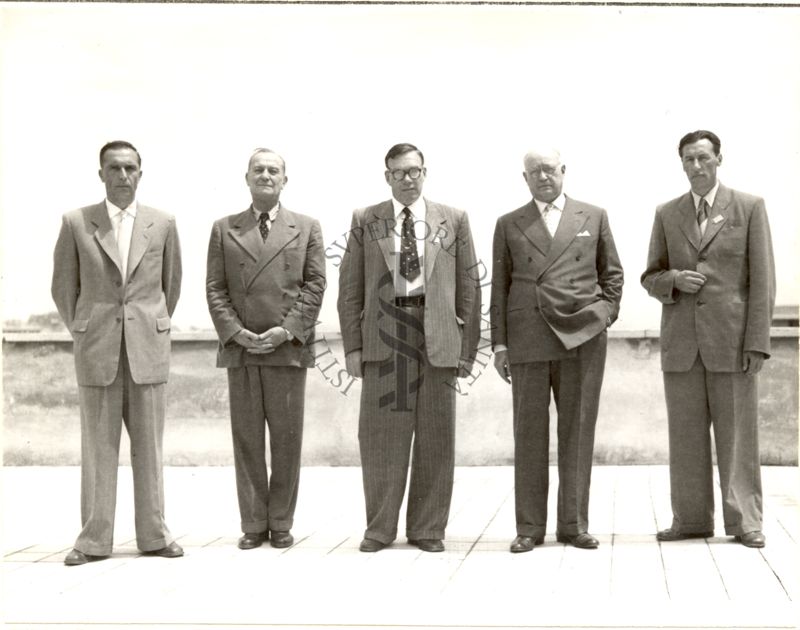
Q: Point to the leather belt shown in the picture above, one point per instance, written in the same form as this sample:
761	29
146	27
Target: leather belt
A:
410	300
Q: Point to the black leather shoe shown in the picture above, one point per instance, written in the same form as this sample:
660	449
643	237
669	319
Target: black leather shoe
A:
581	541
755	540
280	539
172	550
75	558
672	535
370	545
251	541
521	544
431	545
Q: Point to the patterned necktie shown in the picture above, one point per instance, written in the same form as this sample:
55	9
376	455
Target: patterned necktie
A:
550	216
702	212
409	258
262	225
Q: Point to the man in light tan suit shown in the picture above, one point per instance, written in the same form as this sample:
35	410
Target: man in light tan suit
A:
409	309
556	288
116	281
711	266
264	285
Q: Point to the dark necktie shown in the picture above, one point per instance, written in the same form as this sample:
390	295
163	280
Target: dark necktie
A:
409	259
702	212
262	225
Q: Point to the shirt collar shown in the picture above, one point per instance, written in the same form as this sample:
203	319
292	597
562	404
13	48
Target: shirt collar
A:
113	210
709	196
272	213
417	208
558	202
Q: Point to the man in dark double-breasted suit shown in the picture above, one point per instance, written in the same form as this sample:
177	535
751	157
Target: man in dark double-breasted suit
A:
556	287
264	285
116	282
711	266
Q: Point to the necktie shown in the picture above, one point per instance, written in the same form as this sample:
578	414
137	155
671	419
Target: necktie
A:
124	240
262	225
409	258
550	217
702	212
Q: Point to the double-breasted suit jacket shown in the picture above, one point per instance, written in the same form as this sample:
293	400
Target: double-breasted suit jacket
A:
733	311
452	293
255	285
551	294
99	306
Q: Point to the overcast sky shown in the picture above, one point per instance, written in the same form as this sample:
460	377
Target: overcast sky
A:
196	88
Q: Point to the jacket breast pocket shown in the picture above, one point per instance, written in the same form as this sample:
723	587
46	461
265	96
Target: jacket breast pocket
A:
731	241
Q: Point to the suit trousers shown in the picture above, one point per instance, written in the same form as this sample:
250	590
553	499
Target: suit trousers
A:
402	399
264	396
696	400
103	411
576	384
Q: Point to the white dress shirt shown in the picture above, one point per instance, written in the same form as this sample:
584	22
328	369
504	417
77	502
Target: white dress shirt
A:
403	287
551	212
709	197
122	224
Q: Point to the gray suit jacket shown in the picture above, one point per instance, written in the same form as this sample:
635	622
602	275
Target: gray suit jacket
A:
732	312
255	285
98	306
452	288
551	294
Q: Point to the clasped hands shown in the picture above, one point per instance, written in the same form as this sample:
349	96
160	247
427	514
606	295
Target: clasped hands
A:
264	343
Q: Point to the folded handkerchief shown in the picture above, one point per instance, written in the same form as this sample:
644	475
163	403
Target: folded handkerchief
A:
584	233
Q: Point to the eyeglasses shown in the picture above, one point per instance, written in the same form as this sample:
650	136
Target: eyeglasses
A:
545	168
400	174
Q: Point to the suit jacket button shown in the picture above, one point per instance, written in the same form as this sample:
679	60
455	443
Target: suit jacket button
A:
118	283
701	259
700	303
577	257
119	319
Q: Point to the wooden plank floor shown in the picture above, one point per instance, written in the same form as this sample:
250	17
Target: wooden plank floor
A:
631	581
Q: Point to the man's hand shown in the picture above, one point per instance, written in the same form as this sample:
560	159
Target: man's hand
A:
502	365
752	361
689	281
464	368
249	340
352	362
270	340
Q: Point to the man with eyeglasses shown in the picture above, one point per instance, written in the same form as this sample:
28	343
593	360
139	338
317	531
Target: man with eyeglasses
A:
556	288
409	309
711	266
264	284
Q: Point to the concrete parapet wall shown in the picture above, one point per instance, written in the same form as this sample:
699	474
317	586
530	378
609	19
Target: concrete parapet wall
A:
42	424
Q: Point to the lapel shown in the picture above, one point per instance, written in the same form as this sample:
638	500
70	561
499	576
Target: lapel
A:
283	232
573	218
139	236
689	219
437	224
245	232
385	237
530	222
719	209
104	233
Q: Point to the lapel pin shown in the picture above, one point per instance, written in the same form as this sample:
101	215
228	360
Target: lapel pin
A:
717	218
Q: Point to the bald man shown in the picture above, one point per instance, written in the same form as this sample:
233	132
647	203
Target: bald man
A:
264	286
556	288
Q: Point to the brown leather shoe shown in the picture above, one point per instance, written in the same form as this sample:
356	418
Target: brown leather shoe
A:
672	535
172	550
431	545
370	545
251	541
755	540
75	558
280	540
581	541
521	544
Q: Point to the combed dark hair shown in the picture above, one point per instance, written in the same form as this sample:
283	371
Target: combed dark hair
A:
115	145
696	136
402	149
